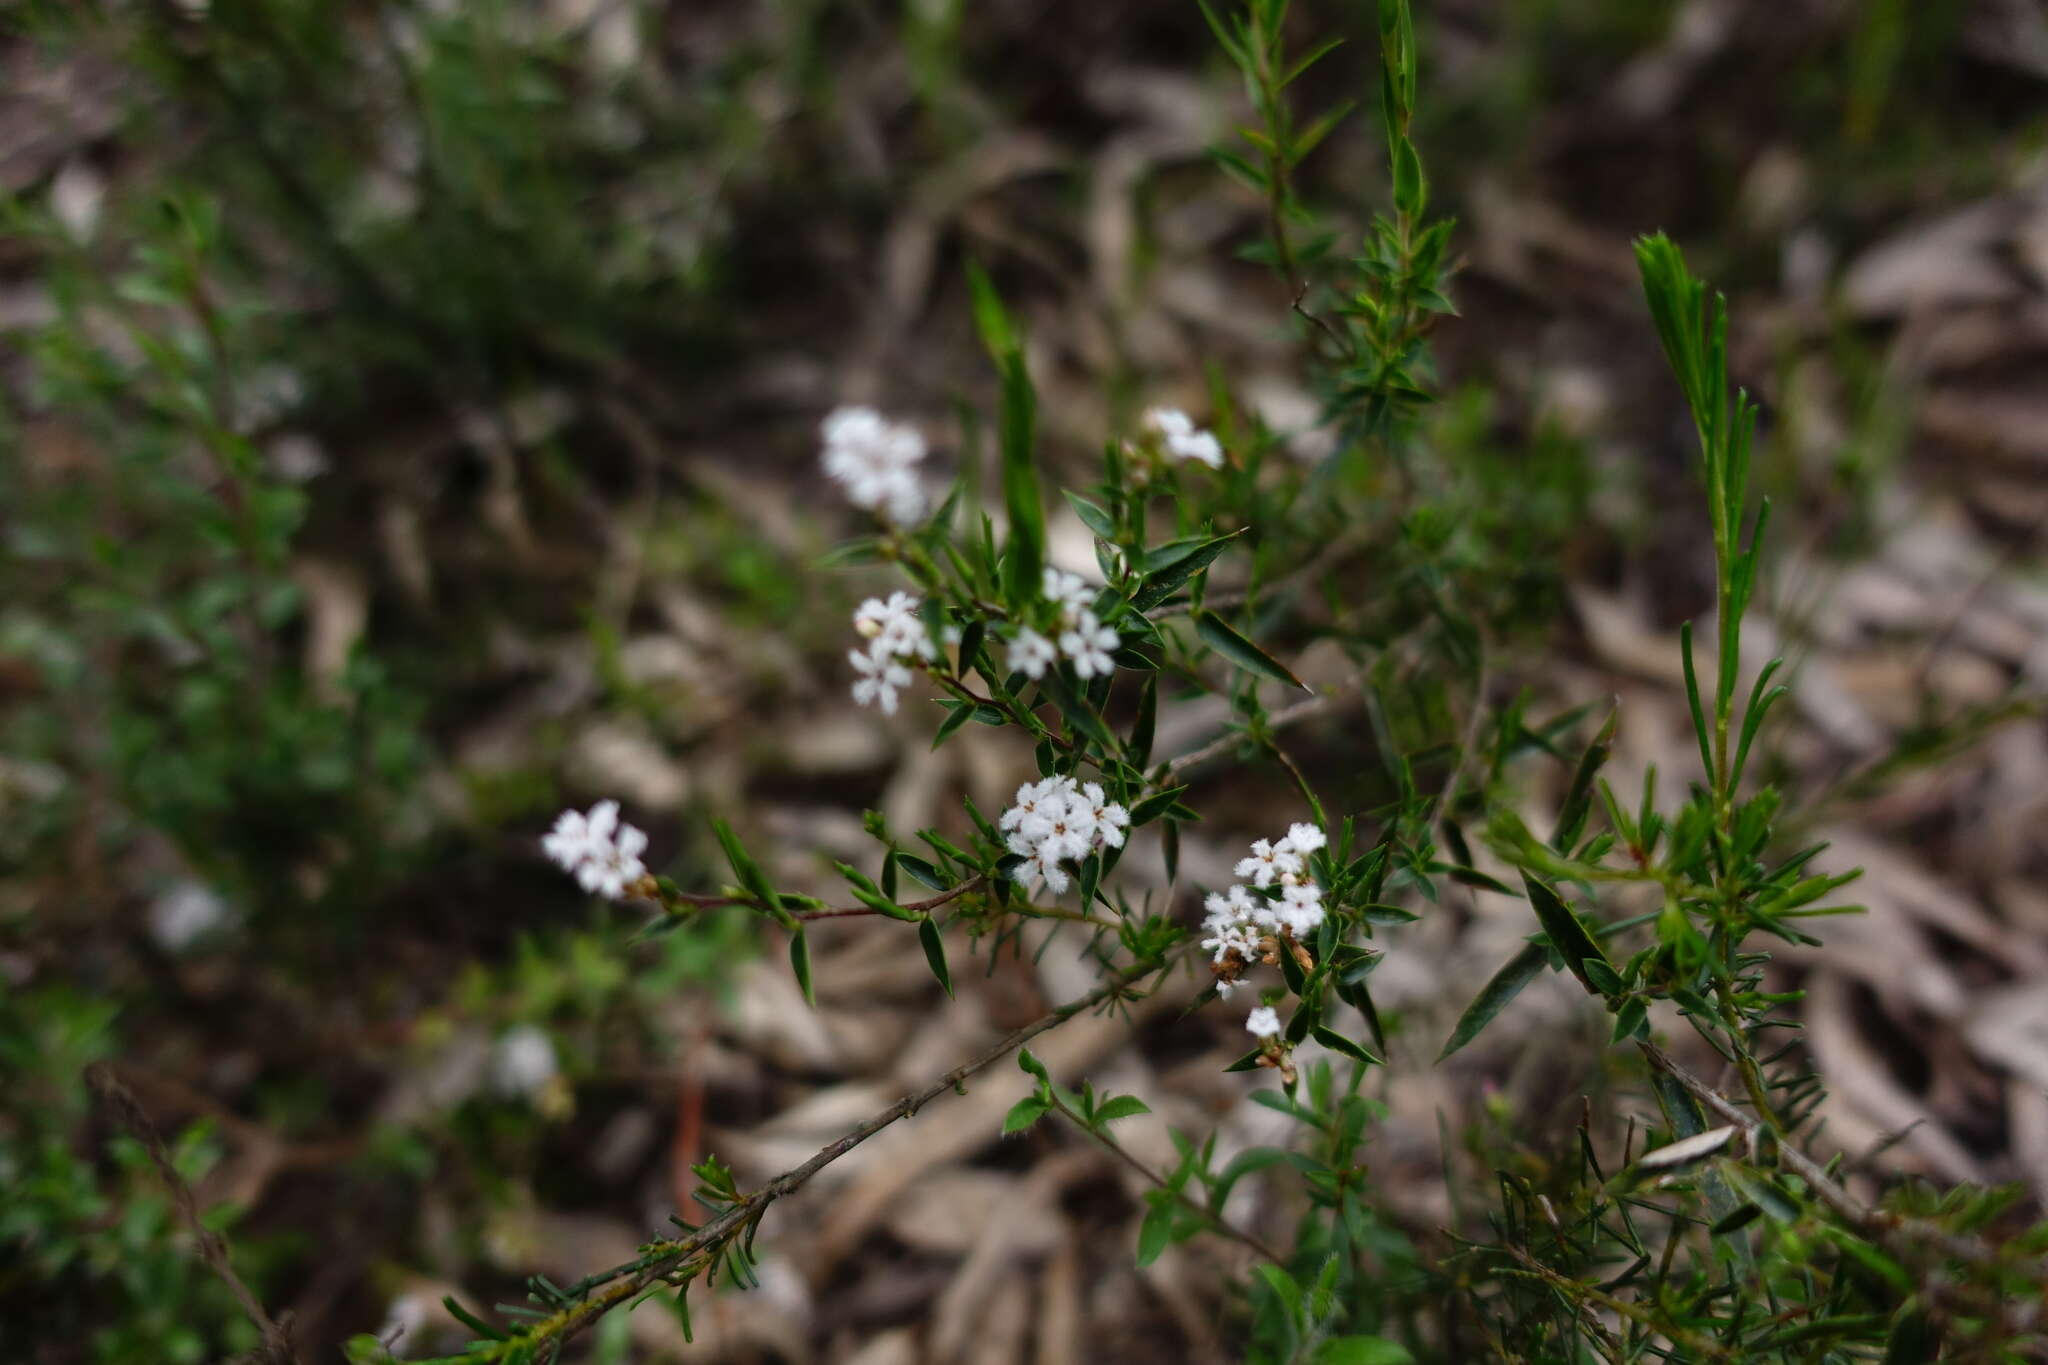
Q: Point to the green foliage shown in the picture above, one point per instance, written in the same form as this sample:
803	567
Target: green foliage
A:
103	1265
153	597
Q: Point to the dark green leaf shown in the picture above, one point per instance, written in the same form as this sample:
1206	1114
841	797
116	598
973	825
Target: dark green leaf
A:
1155	805
935	954
1505	985
1411	187
1472	876
1093	516
471	1320
1187	560
1337	1042
923	871
1566	931
1741	1218
1140	747
800	963
1579	799
751	879
1225	640
1376	913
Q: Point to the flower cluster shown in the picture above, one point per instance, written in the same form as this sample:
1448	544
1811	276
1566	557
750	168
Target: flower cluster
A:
1282	906
602	854
894	631
876	461
1185	441
1058	820
1082	639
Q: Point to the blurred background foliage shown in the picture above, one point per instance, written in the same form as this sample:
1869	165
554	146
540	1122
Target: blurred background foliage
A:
408	429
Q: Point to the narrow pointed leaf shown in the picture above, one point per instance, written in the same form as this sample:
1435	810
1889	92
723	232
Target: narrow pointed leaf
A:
1494	996
1221	637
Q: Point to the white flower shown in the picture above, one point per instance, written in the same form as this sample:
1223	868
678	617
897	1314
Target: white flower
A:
881	678
1031	653
1056	821
1263	1021
522	1062
186	913
1238	921
1183	439
895	626
1301	909
1088	645
1305	839
1269	863
1069	590
875	461
1111	820
1028	797
1233	938
602	854
1229	909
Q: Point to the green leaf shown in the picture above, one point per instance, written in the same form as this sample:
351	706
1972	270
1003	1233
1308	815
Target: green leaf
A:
1283	1286
1363	1351
1473	877
1914	1336
981	713
800	963
1175	565
1337	1042
1741	1218
1493	997
1377	913
471	1320
1028	1061
1139	749
1579	800
1870	1258
991	319
751	879
871	896
1246	1162
1024	554
1411	187
1629	1018
1226	641
1023	1114
935	954
1120	1107
924	872
1155	1232
1605	979
1567	932
1093	515
1155	805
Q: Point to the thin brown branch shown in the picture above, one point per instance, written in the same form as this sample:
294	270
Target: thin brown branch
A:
212	1247
1224	743
1214	1221
696	902
661	1262
1884	1227
1582	1294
